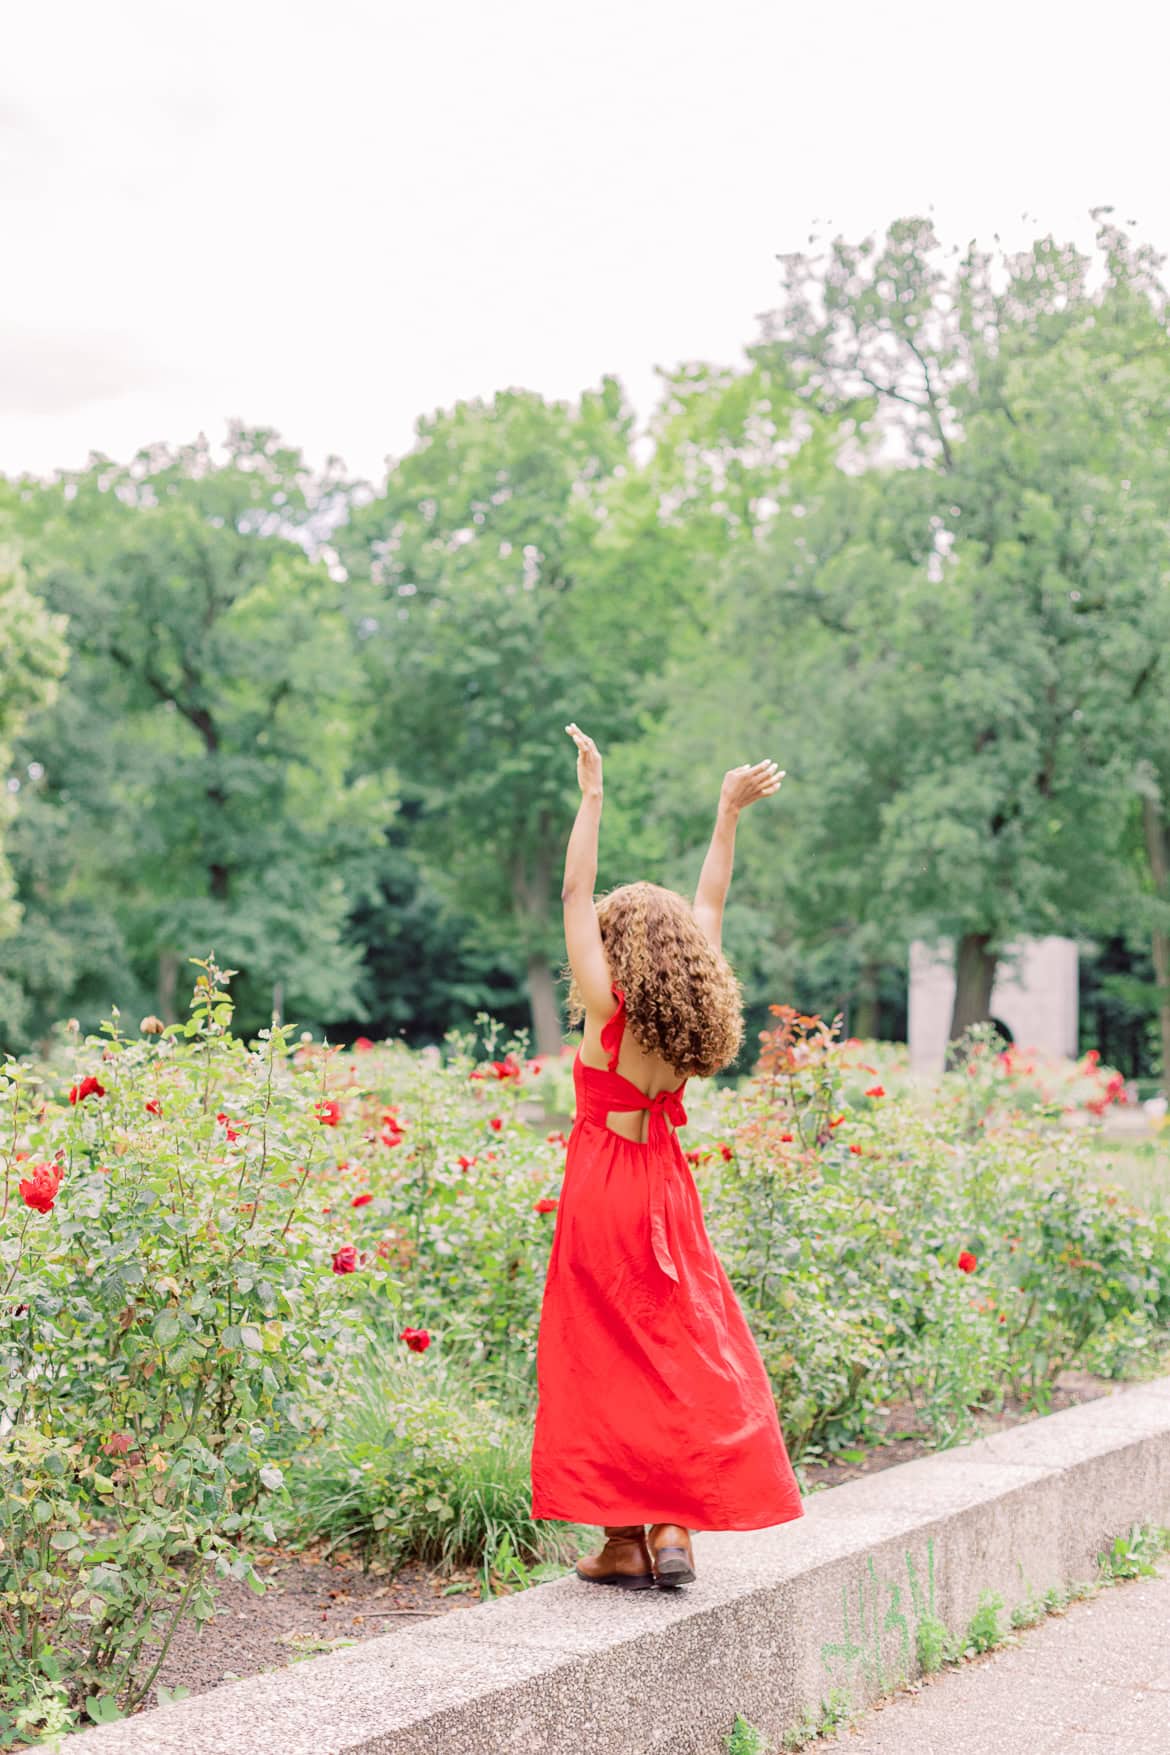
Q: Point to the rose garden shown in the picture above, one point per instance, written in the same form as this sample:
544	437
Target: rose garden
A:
279	1295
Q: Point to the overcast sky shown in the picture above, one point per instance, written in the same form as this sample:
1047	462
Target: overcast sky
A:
332	217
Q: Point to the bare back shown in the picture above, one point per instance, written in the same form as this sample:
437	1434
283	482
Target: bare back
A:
649	1072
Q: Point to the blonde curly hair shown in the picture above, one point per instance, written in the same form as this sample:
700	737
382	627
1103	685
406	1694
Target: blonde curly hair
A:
683	1001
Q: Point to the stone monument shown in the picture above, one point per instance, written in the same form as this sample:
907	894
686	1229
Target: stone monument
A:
1035	996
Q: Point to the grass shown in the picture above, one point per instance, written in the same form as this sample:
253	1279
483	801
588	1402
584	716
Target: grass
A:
1139	1167
415	1466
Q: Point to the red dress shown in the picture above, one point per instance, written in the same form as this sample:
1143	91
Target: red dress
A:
653	1402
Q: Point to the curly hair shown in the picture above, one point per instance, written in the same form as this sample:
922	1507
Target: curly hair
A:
683	1001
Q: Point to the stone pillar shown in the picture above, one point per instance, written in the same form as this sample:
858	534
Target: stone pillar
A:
1035	995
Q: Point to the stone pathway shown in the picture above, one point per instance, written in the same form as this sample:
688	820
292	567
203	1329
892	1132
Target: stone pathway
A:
1094	1681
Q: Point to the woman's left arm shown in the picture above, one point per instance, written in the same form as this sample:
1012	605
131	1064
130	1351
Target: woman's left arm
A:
582	933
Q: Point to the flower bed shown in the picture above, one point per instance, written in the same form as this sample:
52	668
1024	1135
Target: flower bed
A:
273	1290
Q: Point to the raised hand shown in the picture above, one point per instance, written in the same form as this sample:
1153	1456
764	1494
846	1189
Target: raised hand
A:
588	760
743	786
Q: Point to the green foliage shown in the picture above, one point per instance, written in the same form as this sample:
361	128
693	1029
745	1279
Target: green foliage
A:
744	1739
417	1466
1134	1554
984	1630
262	664
32	659
168	1314
245	1238
845	1222
202	770
935	1645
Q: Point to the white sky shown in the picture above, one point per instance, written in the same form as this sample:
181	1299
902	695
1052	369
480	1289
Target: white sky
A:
331	217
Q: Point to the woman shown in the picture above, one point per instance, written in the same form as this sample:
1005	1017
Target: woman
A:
653	1403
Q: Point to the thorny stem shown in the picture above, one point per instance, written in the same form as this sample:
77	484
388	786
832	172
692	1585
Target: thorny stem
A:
143	1691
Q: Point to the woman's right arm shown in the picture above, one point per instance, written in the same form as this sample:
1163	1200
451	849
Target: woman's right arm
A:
741	787
583	943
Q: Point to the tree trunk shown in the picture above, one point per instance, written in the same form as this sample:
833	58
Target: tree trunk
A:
546	1013
865	1018
975	968
1158	851
168	980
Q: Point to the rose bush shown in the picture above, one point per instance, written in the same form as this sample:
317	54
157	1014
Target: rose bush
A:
214	1255
165	1308
890	1250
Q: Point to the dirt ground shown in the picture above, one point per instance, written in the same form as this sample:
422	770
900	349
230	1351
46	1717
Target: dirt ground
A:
313	1605
902	1444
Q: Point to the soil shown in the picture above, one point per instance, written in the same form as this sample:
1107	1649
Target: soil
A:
314	1605
904	1440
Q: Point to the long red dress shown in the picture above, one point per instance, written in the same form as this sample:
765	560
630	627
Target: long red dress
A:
653	1402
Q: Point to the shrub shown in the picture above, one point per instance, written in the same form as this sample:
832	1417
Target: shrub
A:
416	1467
165	1312
883	1251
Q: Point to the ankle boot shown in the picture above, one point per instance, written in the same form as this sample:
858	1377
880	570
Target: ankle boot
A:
624	1560
671	1554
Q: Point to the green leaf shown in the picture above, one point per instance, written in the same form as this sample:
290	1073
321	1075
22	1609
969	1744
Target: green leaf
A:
102	1708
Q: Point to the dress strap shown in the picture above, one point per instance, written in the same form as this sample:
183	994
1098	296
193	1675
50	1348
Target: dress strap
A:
613	1031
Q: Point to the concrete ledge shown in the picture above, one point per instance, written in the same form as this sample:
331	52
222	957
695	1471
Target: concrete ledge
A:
776	1621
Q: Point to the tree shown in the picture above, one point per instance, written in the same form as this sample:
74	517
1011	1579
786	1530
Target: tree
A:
32	660
1019	408
207	751
524	577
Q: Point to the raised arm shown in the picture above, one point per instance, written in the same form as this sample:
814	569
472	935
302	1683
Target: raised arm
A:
741	787
582	933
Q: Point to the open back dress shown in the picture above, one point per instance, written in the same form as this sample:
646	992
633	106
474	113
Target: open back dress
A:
653	1402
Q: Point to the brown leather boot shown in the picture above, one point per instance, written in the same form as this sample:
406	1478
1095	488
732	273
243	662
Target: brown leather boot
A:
624	1560
671	1554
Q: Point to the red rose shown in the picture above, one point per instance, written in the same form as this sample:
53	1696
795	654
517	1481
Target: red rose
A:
876	1091
727	1153
855	1149
362	1044
154	1107
508	1068
545	1206
496	1123
466	1163
417	1339
836	1121
89	1087
328	1113
225	1123
691	1157
1092	1055
786	1139
534	1067
345	1259
361	1200
967	1262
39	1191
392	1136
